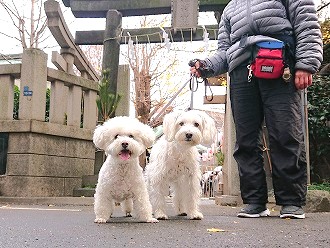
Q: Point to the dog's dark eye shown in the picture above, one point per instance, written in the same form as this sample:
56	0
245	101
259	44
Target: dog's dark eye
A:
116	136
131	136
181	123
196	124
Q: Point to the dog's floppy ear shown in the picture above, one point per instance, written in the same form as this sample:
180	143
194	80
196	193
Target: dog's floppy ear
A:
169	125
148	136
99	138
209	129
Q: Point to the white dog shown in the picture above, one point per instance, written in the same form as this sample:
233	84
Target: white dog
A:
121	178
174	163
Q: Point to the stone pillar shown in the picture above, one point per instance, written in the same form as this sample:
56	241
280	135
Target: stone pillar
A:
74	106
123	88
84	74
6	97
32	104
111	47
90	109
57	103
230	168
75	92
68	55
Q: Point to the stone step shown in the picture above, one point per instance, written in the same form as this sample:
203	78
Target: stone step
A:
86	192
88	186
89	181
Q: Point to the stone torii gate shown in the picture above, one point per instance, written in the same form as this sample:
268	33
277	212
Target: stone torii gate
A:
113	35
184	28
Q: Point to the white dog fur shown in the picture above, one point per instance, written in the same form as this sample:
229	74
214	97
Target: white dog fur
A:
174	163
121	178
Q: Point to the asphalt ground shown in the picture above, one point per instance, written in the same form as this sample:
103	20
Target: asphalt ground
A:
69	223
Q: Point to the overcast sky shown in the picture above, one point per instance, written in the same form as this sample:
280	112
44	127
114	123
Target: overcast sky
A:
9	45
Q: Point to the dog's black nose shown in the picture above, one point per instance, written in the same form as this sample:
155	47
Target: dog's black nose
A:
189	135
124	145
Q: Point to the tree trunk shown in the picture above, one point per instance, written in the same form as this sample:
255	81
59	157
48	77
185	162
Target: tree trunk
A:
142	91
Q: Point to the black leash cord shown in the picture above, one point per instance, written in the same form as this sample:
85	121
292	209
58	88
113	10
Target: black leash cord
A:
194	79
206	83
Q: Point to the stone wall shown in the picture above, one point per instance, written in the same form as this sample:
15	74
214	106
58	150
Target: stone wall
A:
40	164
45	158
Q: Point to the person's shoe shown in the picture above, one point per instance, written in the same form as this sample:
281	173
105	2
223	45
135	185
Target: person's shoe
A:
293	212
254	211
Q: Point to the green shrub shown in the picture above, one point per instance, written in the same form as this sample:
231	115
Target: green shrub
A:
319	129
321	186
107	102
16	103
220	157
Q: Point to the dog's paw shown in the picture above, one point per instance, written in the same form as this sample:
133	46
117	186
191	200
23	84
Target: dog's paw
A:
161	216
182	214
196	216
152	220
128	214
100	221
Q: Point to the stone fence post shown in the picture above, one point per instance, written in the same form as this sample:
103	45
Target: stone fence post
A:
6	97
231	184
33	85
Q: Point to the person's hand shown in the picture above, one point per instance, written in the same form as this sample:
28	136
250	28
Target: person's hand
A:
194	69
303	79
199	68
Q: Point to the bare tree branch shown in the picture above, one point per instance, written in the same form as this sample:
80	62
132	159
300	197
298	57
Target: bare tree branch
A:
9	36
30	29
11	14
323	6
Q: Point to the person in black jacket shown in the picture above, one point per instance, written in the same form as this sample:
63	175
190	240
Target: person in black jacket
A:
258	94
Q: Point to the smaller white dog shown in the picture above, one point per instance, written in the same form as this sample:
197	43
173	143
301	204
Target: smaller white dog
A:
121	178
174	163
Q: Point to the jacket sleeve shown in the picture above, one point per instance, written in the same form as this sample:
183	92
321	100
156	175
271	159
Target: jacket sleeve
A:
309	45
218	61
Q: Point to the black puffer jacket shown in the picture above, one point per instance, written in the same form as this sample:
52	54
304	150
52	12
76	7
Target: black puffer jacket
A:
259	19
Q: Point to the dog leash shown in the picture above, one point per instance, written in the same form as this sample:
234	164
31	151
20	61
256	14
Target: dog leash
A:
192	80
193	88
162	111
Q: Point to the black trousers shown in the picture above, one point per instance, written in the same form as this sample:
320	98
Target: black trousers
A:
279	104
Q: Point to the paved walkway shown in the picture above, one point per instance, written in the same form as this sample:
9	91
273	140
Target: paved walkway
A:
68	222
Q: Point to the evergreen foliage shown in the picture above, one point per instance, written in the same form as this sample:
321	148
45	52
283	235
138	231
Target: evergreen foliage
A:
107	102
319	128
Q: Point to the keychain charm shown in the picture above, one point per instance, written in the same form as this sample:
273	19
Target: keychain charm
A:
250	73
286	74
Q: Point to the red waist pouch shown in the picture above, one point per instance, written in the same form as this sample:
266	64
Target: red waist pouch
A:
269	60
